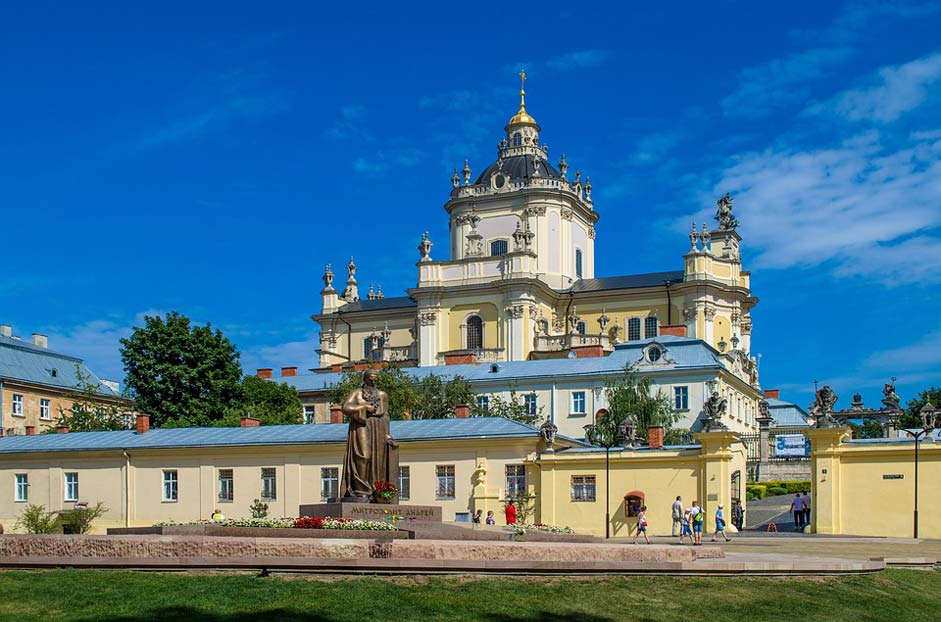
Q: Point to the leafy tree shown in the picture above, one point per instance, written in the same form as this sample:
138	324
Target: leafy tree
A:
439	395
403	394
869	429
35	519
911	416
272	403
629	394
79	520
89	412
182	374
512	408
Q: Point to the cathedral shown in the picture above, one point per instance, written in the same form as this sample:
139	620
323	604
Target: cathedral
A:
516	284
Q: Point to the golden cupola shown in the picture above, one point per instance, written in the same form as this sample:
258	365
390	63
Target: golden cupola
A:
522	117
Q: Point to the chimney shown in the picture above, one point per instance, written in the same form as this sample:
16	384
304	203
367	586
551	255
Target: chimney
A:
774	394
655	436
264	372
287	372
584	352
62	429
30	430
249	422
462	411
40	340
6	330
336	414
143	423
677	330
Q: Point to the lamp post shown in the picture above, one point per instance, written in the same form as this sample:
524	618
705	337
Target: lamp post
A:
931	421
608	434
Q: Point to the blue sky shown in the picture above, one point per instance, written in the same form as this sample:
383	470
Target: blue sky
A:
211	161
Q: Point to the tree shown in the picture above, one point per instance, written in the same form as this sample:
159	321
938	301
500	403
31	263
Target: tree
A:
403	394
431	397
89	412
512	408
439	395
272	403
182	375
629	394
869	429
910	418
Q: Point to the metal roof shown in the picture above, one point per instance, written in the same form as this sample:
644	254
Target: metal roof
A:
519	167
395	302
786	414
687	353
157	438
630	281
26	362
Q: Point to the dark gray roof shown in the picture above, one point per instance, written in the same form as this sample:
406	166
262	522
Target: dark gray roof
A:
26	362
396	302
431	429
627	282
519	167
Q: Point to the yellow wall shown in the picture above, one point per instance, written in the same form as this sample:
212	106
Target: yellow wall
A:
456	316
32	394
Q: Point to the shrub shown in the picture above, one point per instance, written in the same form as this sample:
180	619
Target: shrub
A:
259	509
750	496
35	519
79	520
758	490
775	491
791	486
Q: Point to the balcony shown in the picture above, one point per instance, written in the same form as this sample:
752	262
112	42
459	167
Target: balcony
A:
562	343
470	356
394	354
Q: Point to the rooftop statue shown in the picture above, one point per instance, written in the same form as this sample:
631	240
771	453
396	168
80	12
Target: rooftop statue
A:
714	408
724	213
822	408
371	452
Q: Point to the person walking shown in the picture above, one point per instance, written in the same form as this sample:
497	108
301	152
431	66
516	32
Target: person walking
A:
698	517
797	509
738	515
720	526
641	524
678	514
806	501
491	520
478	515
687	526
510	513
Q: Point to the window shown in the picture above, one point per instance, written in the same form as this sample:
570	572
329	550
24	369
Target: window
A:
517	139
633	329
578	402
531	402
580	328
445	484
405	483
483	403
475	333
17	405
367	346
515	480
654	354
170	486
45	411
269	484
498	247
583	488
71	486
578	263
681	398
309	415
22	487
226	485
650	327
329	483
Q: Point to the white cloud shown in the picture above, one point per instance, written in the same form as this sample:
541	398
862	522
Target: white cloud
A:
652	148
895	91
922	355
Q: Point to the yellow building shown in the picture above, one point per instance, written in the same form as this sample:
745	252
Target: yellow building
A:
36	383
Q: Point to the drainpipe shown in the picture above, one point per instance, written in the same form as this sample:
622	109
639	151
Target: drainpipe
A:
349	336
568	307
127	487
1	407
669	304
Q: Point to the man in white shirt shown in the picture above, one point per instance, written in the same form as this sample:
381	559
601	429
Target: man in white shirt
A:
678	514
797	507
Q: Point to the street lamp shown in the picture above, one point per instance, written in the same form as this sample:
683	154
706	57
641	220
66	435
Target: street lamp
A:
931	419
608	434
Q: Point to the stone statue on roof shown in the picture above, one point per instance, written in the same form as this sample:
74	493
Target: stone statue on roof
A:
890	398
714	408
548	431
822	408
724	213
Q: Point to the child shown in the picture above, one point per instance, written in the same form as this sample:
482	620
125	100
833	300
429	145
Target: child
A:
477	516
642	524
490	519
686	529
720	525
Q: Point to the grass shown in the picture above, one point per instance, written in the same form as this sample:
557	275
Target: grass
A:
115	596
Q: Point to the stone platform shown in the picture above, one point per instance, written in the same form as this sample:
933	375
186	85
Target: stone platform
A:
373	511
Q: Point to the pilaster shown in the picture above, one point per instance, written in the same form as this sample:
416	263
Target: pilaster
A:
715	484
825	476
427	336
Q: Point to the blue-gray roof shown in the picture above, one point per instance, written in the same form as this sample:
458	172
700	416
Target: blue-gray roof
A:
26	362
396	302
786	414
687	353
629	281
424	430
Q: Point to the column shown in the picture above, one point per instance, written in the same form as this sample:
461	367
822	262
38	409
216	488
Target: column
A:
515	332
715	479
825	475
427	337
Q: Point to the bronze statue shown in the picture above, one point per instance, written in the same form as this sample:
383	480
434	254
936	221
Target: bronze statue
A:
371	452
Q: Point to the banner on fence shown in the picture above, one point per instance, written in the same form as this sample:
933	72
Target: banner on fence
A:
790	445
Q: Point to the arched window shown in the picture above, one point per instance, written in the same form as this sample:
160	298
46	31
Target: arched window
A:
498	247
650	327
580	328
633	329
475	333
517	139
578	262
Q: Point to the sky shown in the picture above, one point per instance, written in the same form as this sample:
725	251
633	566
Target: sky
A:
210	160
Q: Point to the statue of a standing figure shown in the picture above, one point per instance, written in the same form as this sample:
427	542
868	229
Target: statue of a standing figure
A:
371	453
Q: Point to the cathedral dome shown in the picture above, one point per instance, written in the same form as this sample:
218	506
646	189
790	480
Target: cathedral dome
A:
520	167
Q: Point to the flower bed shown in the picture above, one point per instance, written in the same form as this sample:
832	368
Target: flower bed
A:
304	522
521	528
233	522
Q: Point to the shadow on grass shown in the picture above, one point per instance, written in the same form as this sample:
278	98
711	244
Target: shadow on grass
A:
542	616
193	614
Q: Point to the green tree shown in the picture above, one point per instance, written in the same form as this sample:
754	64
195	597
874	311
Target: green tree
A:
911	416
870	428
513	408
439	395
89	411
629	394
272	403
182	374
401	388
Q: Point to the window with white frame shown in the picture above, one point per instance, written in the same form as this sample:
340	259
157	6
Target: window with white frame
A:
531	402
499	247
578	262
444	474
578	403
483	403
367	346
475	333
650	327
515	480
309	415
517	139
226	485
329	483
45	409
405	483
581	328
71	486
21	492
17	405
583	488
681	398
269	484
633	329
170	485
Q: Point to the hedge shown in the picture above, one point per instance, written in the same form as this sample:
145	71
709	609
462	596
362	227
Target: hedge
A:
791	487
776	491
757	490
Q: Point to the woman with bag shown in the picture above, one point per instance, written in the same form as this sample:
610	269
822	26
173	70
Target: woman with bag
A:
720	525
641	524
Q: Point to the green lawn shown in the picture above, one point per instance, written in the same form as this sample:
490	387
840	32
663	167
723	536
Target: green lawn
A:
112	596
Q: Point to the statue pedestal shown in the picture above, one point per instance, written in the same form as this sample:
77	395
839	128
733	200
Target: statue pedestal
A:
373	511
